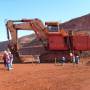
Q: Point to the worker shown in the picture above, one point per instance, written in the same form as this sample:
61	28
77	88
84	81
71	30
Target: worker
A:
4	58
77	59
11	59
71	57
38	59
63	59
8	58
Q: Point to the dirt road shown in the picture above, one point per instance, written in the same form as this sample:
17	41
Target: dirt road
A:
45	77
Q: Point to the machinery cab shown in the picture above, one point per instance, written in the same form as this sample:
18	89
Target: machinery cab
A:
52	26
55	37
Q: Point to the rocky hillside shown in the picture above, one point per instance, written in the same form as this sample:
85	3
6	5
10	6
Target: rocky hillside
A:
80	23
3	45
23	40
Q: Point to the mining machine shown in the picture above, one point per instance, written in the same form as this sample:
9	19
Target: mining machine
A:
56	41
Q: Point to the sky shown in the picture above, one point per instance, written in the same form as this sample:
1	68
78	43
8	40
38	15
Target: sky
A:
45	10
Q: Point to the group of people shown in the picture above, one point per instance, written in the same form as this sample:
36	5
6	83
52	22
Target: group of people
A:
75	58
8	59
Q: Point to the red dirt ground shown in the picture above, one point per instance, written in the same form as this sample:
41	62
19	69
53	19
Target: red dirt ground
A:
46	77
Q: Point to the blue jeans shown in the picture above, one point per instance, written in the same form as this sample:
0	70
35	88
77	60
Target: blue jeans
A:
8	66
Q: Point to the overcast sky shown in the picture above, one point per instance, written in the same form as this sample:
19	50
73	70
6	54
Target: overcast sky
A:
46	10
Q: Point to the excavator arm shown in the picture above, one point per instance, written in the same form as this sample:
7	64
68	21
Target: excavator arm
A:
26	24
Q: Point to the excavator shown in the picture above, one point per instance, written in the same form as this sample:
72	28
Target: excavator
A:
56	41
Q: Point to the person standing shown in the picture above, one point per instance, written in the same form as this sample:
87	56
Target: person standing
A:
77	59
63	59
71	57
11	59
4	58
8	58
8	62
